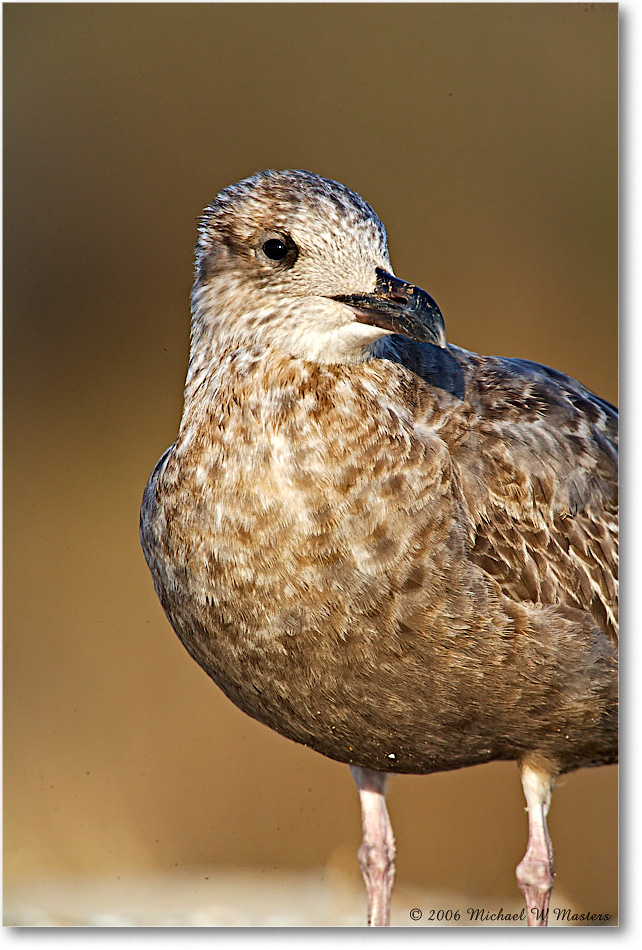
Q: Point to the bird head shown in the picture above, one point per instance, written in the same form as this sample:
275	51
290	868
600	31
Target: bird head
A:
299	262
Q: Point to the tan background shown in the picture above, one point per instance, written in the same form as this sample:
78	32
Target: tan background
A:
485	136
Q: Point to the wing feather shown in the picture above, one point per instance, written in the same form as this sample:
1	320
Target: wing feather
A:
536	454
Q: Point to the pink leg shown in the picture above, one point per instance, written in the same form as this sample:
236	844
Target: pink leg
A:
377	852
536	870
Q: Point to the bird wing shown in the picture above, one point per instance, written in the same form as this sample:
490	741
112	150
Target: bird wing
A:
536	456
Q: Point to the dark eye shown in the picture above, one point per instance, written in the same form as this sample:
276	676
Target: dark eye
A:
275	249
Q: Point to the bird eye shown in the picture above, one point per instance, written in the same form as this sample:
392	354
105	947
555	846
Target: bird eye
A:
275	249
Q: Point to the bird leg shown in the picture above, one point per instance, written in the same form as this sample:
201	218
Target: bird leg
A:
377	851
536	870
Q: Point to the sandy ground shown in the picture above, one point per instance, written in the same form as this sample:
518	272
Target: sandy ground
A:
232	899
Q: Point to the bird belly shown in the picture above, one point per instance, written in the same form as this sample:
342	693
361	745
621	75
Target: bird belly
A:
329	593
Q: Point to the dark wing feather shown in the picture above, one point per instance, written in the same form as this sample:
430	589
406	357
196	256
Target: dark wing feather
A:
537	454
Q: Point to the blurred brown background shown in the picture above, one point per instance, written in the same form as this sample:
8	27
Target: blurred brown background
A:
485	137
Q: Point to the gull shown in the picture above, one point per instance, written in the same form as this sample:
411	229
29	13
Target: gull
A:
387	548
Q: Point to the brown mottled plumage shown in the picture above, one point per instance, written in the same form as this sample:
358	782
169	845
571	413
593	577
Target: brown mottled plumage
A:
399	553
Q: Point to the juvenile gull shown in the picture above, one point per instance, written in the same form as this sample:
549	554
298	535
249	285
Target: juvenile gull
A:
392	550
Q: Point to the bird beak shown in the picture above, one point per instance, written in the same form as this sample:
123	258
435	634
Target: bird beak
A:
400	307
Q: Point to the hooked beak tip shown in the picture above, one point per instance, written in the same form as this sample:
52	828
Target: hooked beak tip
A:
399	307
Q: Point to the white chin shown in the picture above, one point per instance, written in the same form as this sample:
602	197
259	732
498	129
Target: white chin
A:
346	344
